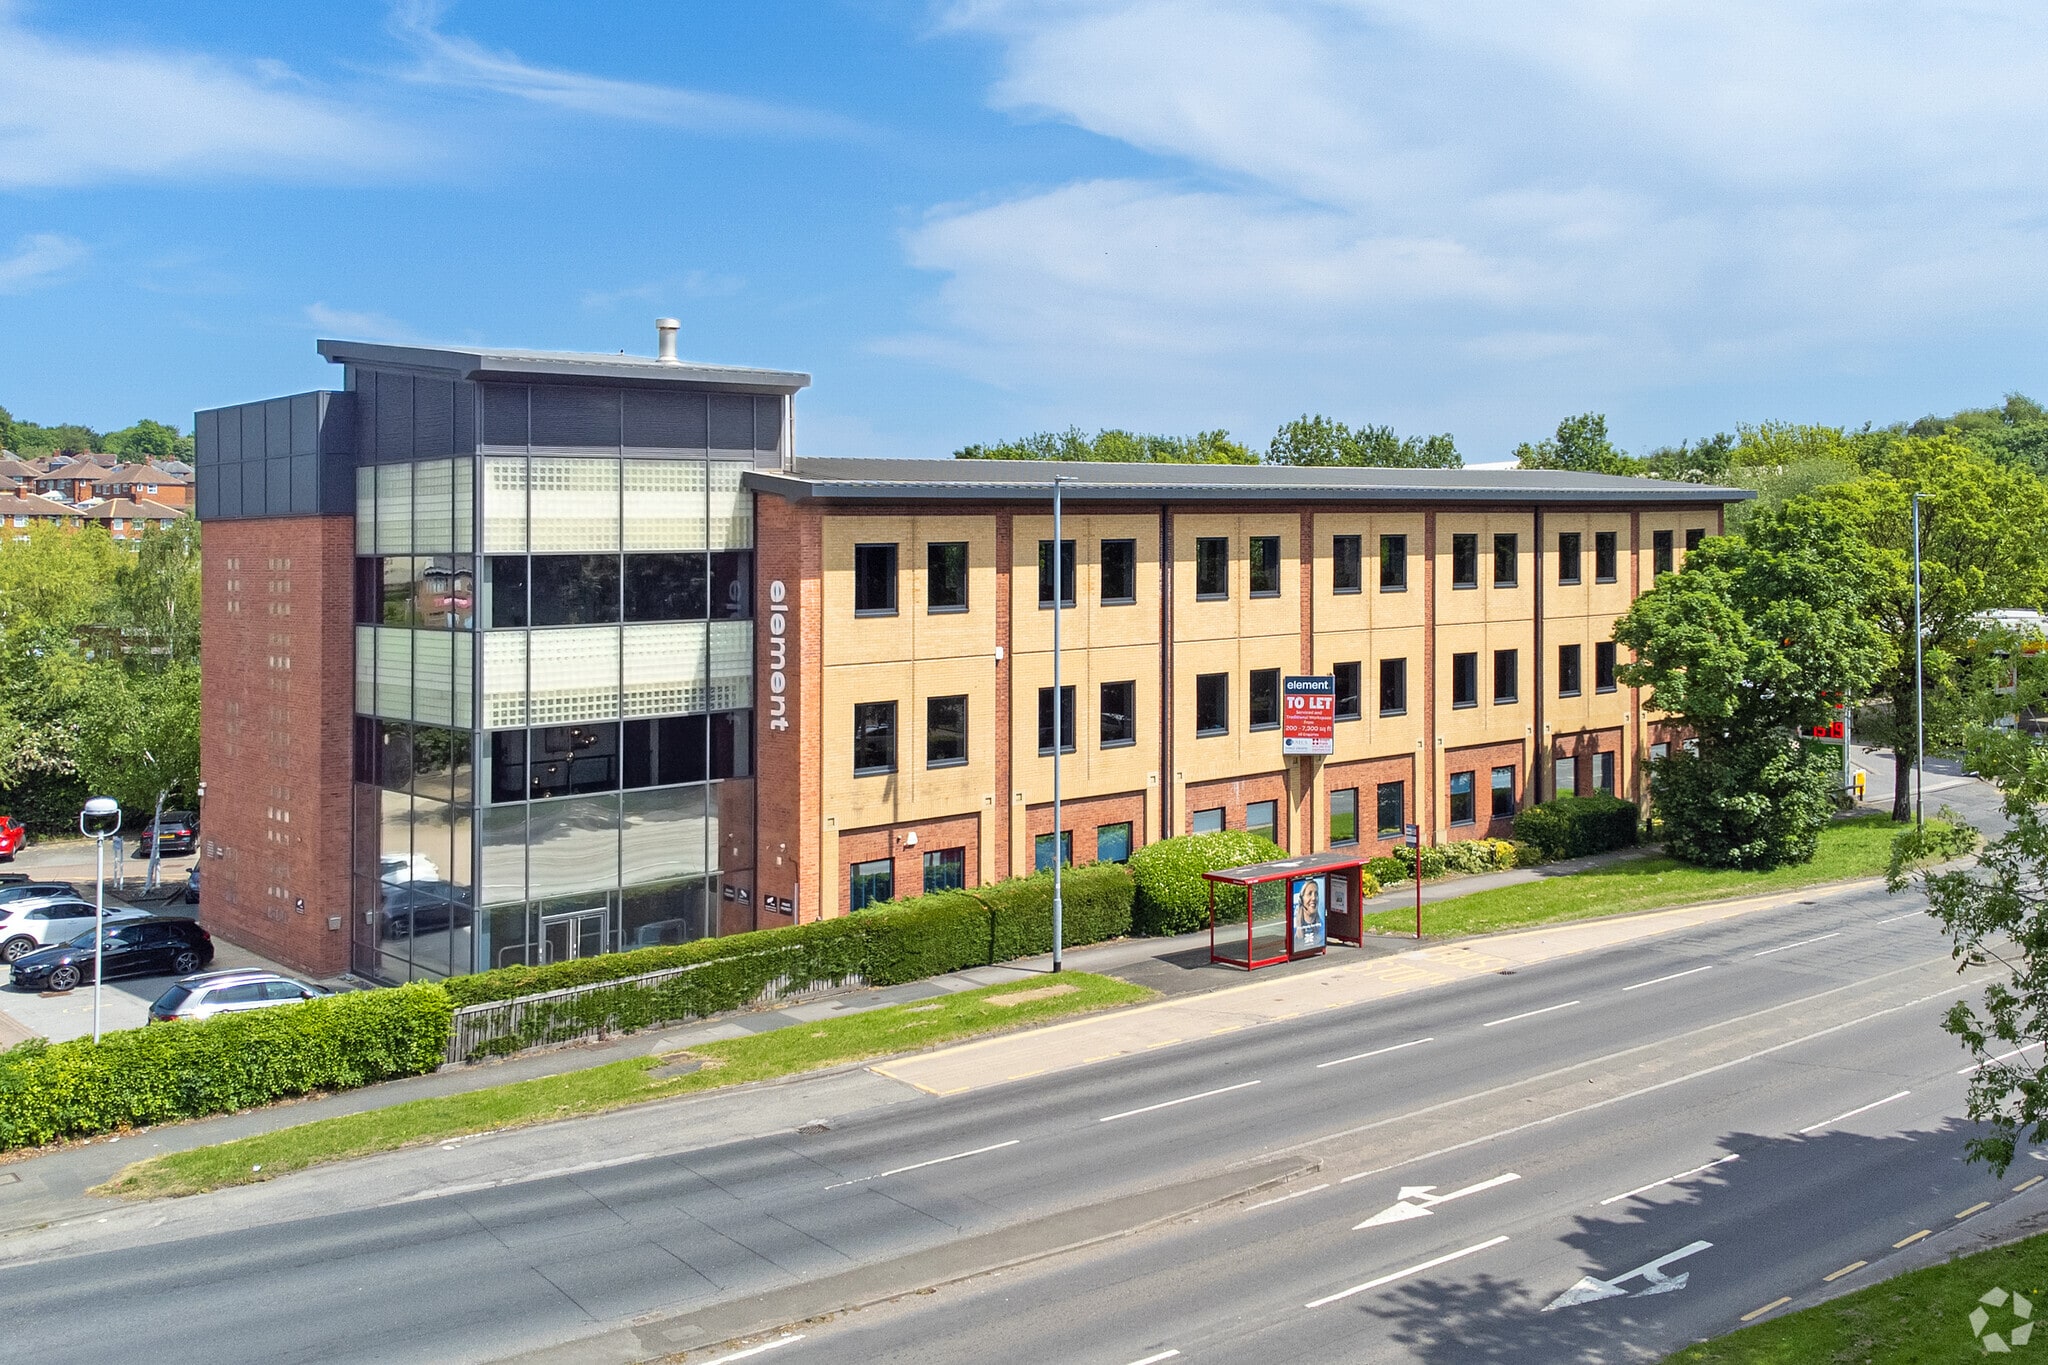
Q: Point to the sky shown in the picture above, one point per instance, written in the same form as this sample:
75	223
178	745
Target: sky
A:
969	221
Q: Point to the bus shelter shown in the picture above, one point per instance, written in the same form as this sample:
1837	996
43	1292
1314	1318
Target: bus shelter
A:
1291	907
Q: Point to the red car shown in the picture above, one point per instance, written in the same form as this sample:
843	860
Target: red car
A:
12	837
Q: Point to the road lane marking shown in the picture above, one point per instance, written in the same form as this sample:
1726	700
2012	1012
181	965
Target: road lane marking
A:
1759	1312
1924	1232
1184	1099
935	1161
1669	1179
1800	944
1853	1265
1404	1274
1265	1203
1910	914
1660	980
2028	1184
1826	1123
1974	1208
2001	1057
1531	1014
1154	1360
1361	1056
1655	1281
774	1345
1416	1201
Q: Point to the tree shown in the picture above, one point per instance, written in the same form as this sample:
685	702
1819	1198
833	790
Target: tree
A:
1751	640
1580	445
138	734
148	440
1707	461
156	592
1320	441
1115	446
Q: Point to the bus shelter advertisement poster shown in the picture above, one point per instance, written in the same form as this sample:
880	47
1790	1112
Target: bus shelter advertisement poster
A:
1309	900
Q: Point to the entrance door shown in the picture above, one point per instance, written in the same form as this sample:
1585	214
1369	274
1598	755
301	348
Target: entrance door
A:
577	934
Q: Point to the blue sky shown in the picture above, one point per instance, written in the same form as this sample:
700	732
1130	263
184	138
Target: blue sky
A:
973	220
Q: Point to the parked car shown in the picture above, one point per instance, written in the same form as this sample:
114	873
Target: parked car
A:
406	867
420	906
230	991
12	837
192	885
26	925
27	890
137	946
177	832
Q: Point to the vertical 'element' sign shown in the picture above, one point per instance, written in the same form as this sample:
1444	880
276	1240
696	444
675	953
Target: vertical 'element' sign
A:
1308	716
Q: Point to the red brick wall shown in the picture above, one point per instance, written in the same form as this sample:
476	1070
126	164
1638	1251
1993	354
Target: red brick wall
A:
788	818
888	841
276	709
1480	760
1366	774
1081	817
1581	745
1234	795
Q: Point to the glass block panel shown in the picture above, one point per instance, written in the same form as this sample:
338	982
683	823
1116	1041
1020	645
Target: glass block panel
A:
394	509
463	494
732	665
366	670
573	674
502	876
504	680
575	505
433	677
504	494
664	668
394	672
433	507
664	835
366	510
732	508
665	505
573	846
462	683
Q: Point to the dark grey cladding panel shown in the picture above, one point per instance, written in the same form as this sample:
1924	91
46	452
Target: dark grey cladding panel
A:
575	418
206	436
206	487
433	417
661	420
767	424
394	416
230	433
363	384
228	496
464	442
277	428
306	409
252	488
252	431
300	458
277	487
732	422
504	415
304	499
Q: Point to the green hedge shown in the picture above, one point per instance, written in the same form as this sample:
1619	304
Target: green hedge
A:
1573	826
165	1072
1173	897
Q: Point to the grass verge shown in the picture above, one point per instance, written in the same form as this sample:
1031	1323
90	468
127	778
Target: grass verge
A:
1918	1317
764	1056
1858	847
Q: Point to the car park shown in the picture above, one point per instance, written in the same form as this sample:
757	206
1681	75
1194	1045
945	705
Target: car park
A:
177	831
192	885
27	925
136	946
12	837
230	991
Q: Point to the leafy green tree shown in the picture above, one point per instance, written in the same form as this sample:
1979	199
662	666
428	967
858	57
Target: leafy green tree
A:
156	591
1751	640
1319	440
148	440
1580	445
1706	461
138	733
1115	446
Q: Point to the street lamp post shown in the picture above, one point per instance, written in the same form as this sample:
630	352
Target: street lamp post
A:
99	821
1919	687
1059	722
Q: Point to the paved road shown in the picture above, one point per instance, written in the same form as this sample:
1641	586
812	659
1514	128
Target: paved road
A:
1583	1079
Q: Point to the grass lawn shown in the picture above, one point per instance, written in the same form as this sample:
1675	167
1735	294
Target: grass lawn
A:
1858	847
798	1047
1920	1317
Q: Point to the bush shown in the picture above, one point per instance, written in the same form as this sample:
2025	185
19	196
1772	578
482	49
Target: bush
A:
1173	897
1524	854
1753	804
1368	885
1574	826
164	1072
1384	869
1468	856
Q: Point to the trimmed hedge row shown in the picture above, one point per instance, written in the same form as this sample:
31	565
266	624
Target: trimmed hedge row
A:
1573	826
1172	896
165	1072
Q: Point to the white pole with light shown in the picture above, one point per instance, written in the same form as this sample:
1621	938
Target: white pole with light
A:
99	821
1919	686
1059	722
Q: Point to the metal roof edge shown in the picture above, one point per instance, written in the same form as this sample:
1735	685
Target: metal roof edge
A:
483	363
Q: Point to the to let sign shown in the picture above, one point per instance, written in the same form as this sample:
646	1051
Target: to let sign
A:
1308	716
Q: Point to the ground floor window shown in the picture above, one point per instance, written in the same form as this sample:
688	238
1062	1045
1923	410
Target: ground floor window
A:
1659	750
1503	792
871	884
1113	843
1344	816
1393	807
945	869
1207	821
1041	851
1565	776
1263	817
1464	806
1603	771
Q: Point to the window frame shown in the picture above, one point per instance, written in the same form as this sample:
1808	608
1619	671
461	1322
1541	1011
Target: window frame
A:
932	730
1218	705
1575	670
862	550
1513	695
1379	808
1065	847
868	870
1606	556
1207	551
1130	714
1271	829
1394	550
1608	761
932	606
1068	720
893	732
1256	678
1121	546
1494	787
1129	828
1513	559
1070	573
1466	664
1571	550
1272	567
1357	694
1603	666
949	855
1464	556
1196	819
1470	794
1335	802
1343	548
1395	672
1693	536
1663	552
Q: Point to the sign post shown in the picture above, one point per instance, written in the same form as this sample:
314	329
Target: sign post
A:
1411	835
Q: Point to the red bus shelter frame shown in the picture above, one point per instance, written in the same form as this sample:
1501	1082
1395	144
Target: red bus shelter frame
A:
1345	926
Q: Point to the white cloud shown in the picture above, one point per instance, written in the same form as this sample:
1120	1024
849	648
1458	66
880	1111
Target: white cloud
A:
37	259
693	284
358	326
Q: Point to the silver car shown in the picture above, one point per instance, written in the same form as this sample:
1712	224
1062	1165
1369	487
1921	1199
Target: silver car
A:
206	994
32	923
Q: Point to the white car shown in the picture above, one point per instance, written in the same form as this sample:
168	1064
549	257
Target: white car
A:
31	924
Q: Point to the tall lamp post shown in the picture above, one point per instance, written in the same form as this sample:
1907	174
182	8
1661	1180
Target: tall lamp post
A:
1059	721
1919	686
99	822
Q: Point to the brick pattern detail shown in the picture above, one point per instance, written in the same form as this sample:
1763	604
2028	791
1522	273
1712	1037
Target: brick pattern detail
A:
1581	745
887	841
1083	816
787	816
1234	795
1366	775
1480	760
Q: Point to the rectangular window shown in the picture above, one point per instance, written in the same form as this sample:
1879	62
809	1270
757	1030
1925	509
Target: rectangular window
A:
1265	694
1067	598
874	737
574	590
1119	720
1464	561
1507	676
1393	687
872	883
667	587
1568	568
732	585
1345	570
1265	566
1603	666
1041	851
1465	680
1113	843
1568	670
1392	799
1263	818
1212	568
1350	706
1119	572
1603	771
1661	749
1605	556
1344	817
1564	777
1503	793
1464	808
1393	563
874	580
945	869
945	732
1212	703
945	565
1693	537
1045	720
1507	561
1660	551
1206	821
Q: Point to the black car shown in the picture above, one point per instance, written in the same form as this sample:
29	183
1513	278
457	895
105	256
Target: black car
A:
177	832
133	948
192	885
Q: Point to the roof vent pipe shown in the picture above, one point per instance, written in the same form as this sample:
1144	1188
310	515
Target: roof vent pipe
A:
665	329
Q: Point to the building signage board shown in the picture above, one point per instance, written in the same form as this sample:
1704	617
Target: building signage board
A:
1308	715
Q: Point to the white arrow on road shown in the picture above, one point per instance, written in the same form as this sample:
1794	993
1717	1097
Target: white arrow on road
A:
1416	1201
1655	1281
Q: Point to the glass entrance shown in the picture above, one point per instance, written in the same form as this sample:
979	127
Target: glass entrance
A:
577	934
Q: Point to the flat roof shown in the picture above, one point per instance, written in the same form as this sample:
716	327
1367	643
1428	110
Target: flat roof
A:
510	366
1031	480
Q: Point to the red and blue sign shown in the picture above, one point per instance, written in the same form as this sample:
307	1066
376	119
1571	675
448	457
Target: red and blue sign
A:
1308	715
